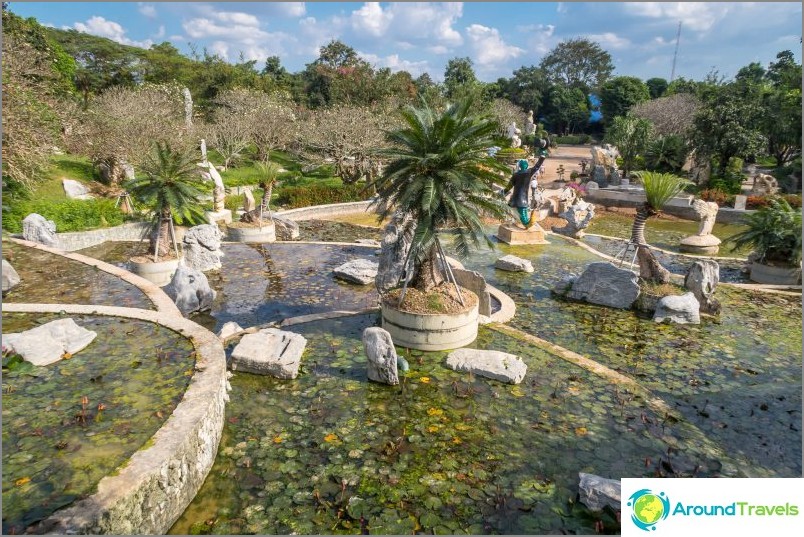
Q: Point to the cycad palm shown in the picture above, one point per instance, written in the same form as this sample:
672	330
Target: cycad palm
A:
659	189
171	186
441	176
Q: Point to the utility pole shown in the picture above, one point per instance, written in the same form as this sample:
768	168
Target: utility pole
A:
675	54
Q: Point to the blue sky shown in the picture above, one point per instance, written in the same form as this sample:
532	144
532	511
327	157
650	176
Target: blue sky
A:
420	37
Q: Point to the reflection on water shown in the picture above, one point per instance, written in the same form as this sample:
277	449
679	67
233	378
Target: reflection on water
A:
51	279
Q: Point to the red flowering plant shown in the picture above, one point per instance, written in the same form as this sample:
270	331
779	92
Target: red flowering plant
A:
579	189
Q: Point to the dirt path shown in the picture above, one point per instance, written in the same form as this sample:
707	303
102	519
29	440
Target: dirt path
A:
570	157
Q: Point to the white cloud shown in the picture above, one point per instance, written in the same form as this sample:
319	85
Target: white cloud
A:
371	19
204	28
438	49
489	47
161	33
291	9
237	18
99	26
147	10
609	40
395	63
220	48
697	16
561	7
539	37
430	23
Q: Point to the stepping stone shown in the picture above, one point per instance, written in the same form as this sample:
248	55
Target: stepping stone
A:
47	344
598	492
513	263
229	329
359	271
683	309
492	364
270	352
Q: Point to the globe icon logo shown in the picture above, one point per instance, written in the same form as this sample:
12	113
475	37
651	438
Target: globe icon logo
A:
648	508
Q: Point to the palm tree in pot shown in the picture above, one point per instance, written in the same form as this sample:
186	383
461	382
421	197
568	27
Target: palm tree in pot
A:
659	189
268	174
171	186
439	176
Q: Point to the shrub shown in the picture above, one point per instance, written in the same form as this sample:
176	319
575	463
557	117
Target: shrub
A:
793	199
756	202
294	197
718	196
573	139
774	233
69	215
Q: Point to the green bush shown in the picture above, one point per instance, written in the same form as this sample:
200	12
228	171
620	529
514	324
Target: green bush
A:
69	215
294	197
573	139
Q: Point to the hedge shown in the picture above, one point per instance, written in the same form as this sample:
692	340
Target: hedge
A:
69	215
293	197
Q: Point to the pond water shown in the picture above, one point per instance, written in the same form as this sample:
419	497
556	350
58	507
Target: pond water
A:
51	279
262	283
55	447
443	452
446	452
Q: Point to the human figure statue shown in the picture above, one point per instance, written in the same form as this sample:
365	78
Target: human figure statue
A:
520	182
707	213
512	130
530	126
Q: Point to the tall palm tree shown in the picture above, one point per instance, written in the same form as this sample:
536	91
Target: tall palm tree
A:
659	189
440	175
172	186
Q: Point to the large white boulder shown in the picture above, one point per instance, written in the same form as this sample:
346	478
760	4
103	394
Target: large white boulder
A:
683	309
75	189
381	354
202	247
606	285
190	290
10	277
513	263
359	271
492	364
598	492
37	228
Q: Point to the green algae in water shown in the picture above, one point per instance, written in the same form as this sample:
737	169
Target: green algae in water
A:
52	279
53	452
441	452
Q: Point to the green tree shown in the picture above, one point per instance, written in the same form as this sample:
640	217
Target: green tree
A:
163	63
785	72
171	187
578	63
656	87
459	78
619	94
566	109
659	189
631	135
727	125
774	232
440	175
781	108
526	88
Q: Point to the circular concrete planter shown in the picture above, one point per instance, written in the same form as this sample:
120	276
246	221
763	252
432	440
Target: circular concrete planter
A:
252	234
430	331
775	275
159	273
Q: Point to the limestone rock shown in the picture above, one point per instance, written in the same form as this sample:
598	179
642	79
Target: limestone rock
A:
513	263
75	189
475	282
682	309
36	228
381	353
229	329
606	285
598	492
563	286
270	352
47	344
202	247
10	277
578	217
702	279
286	229
359	271
394	250
492	364
248	201
190	290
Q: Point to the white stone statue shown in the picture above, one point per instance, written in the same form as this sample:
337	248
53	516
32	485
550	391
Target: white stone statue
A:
530	126
203	150
218	191
512	130
764	184
707	213
703	242
188	108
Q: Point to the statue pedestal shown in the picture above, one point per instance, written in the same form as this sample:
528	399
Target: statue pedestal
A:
513	234
213	217
700	244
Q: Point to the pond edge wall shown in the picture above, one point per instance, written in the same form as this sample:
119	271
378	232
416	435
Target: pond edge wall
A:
154	487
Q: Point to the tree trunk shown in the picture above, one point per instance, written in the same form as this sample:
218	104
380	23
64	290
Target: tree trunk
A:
160	242
267	192
428	274
649	268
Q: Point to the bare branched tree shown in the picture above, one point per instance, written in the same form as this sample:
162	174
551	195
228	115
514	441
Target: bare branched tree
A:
347	136
122	125
30	126
670	115
504	112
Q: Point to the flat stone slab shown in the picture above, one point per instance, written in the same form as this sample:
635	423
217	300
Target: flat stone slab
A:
491	364
513	263
47	344
359	271
511	234
75	189
270	352
598	492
